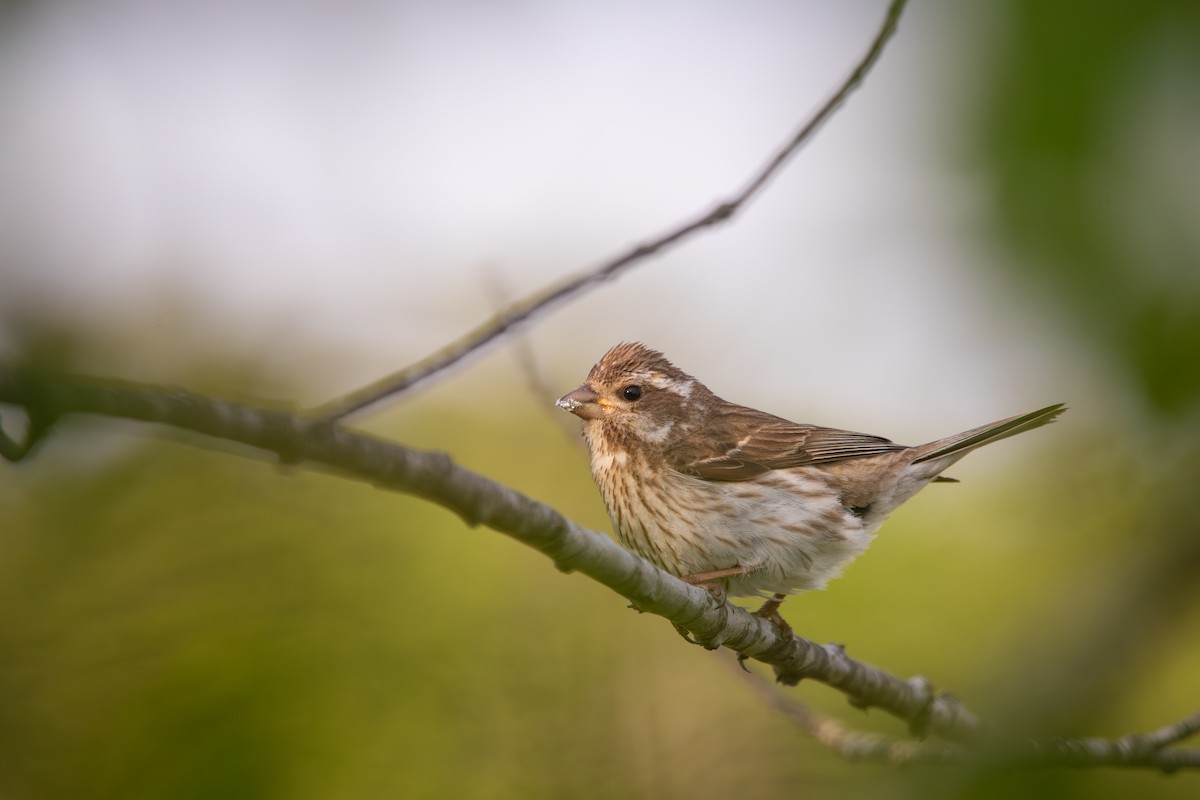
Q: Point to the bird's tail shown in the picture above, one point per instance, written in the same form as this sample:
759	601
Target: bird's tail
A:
962	443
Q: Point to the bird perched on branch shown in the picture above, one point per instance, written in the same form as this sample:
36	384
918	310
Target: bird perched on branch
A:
737	500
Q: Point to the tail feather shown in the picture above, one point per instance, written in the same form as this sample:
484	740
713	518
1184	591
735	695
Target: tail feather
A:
960	443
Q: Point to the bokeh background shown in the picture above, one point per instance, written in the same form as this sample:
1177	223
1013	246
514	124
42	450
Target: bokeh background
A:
287	200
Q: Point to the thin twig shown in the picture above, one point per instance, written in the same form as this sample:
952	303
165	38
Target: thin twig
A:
1162	737
850	744
542	301
522	349
1148	750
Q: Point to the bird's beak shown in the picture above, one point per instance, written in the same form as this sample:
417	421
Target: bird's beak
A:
583	403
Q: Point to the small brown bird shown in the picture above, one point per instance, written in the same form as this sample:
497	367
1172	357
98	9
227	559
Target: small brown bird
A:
737	500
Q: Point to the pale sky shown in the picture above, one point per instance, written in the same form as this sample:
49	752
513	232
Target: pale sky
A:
344	186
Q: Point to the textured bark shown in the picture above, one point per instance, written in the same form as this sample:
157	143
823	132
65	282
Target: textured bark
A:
297	439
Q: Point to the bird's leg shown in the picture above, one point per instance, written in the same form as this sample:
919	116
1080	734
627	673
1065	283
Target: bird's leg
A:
711	580
770	612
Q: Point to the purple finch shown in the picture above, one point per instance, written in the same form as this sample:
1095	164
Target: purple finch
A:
738	500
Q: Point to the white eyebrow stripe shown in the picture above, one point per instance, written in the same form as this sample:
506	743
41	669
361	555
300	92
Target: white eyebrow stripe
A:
681	388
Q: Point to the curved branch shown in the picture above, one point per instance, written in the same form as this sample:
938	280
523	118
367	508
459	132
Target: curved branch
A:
479	501
850	744
542	301
1149	750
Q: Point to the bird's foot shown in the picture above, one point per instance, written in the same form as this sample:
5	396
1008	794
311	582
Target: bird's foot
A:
686	634
770	612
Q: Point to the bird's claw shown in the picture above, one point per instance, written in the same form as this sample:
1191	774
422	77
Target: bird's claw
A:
686	634
770	612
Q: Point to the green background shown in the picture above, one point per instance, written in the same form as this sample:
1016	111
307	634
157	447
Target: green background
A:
179	621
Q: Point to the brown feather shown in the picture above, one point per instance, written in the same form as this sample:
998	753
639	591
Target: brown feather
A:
986	434
742	443
781	506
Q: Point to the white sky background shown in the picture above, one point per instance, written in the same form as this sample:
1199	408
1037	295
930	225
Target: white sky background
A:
333	183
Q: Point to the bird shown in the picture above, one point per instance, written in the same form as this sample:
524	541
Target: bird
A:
739	501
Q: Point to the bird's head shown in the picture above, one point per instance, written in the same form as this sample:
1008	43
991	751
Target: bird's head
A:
636	392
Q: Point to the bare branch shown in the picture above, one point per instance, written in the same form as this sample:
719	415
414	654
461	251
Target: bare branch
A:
479	501
524	310
849	744
1134	750
1165	736
1148	750
539	389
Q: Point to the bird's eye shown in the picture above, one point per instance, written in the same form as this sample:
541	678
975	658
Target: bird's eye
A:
632	393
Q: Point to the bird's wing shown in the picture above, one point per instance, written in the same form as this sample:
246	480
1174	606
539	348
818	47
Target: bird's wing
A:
741	444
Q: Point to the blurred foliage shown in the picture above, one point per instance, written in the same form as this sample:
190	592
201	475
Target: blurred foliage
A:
176	622
180	623
1089	135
